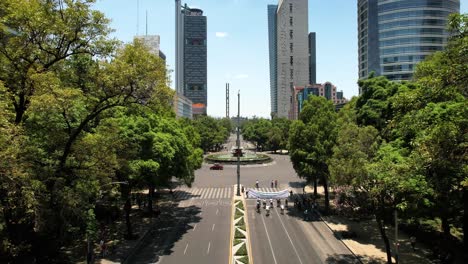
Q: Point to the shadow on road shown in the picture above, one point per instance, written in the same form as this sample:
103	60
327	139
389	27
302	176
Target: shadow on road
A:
297	184
346	259
168	230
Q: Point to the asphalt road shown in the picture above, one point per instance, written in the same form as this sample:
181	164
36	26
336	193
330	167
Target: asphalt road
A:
287	238
197	230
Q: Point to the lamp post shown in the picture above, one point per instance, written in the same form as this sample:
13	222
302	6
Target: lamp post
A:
238	144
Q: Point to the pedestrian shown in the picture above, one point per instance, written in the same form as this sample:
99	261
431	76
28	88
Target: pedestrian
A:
247	194
290	193
272	183
256	184
102	246
413	242
276	183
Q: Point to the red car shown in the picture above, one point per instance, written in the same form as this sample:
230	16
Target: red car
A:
216	166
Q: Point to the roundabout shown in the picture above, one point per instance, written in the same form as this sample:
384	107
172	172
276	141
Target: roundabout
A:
246	159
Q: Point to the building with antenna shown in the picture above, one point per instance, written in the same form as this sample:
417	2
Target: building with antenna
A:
191	56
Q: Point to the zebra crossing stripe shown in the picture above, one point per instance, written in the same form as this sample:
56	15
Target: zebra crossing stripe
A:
210	195
218	193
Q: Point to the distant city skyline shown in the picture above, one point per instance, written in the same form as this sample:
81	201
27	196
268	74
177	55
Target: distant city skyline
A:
237	33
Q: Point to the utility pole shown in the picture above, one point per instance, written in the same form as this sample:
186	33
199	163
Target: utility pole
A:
238	144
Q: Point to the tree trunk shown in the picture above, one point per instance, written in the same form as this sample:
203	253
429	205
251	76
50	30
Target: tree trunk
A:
465	224
150	199
127	208
379	220
327	198
315	188
445	226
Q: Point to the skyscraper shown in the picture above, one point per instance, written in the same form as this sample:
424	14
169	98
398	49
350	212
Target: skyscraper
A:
191	56
292	53
312	59
272	52
395	35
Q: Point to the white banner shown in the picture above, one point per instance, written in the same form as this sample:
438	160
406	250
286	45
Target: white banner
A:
252	193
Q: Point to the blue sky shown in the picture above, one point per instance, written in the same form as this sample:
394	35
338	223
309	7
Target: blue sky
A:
238	44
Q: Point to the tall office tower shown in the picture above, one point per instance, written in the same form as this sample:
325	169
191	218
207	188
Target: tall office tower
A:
395	35
272	51
312	59
191	56
292	53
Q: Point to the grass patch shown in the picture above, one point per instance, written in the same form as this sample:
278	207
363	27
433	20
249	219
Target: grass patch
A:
240	205
239	235
244	259
238	214
242	251
241	222
237	241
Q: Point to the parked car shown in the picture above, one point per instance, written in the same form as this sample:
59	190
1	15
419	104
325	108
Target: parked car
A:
216	166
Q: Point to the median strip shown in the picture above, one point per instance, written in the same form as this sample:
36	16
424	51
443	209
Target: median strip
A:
240	245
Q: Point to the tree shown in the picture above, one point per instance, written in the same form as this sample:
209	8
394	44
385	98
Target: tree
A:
212	133
431	120
256	130
67	160
311	140
36	36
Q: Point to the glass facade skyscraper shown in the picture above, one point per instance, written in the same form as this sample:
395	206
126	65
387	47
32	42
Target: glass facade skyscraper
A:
272	52
394	35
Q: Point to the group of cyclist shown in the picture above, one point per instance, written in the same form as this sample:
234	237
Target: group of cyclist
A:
267	206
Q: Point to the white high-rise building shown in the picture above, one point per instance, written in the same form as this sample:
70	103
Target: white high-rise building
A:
292	52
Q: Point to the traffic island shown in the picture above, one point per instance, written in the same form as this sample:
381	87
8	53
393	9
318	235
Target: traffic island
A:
240	246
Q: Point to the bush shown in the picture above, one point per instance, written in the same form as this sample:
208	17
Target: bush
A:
238	214
239	235
237	241
241	222
242	251
242	227
244	259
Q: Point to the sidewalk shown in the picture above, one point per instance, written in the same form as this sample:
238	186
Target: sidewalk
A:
120	249
368	245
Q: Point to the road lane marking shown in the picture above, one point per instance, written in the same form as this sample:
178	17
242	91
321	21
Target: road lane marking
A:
208	250
290	240
194	227
185	250
269	241
213	227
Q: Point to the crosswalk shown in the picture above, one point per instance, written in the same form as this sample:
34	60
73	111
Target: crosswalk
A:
265	189
195	193
203	193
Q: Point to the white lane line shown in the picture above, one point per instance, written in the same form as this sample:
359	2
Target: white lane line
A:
194	227
269	241
208	250
185	250
217	210
212	228
290	240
